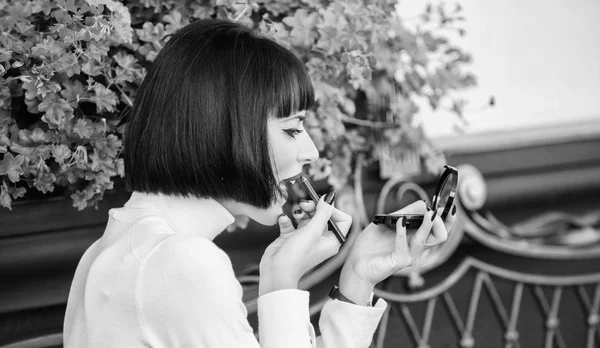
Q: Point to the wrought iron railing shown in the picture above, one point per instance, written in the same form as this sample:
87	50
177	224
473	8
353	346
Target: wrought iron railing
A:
483	227
486	274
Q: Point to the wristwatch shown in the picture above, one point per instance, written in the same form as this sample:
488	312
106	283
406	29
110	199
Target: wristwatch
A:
337	295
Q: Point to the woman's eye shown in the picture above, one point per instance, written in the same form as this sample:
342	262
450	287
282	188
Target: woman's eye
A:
293	132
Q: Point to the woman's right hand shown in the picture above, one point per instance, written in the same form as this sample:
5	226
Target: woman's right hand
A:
297	250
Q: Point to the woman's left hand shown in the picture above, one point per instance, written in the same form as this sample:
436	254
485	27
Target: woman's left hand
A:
378	251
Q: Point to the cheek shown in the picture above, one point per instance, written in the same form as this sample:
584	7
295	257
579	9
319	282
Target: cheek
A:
284	154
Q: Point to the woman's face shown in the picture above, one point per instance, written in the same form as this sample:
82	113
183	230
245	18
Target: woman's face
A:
291	149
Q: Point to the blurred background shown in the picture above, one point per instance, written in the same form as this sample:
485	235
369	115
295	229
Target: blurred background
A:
538	59
518	113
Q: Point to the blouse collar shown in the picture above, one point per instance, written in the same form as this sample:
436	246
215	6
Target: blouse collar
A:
203	216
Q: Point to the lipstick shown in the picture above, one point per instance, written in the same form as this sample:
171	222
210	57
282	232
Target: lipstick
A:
332	225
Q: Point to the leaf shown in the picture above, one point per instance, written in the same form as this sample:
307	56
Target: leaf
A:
4	142
69	64
101	162
73	90
303	25
125	60
120	167
151	32
104	98
202	12
57	111
49	48
11	166
83	127
5	199
80	198
111	145
31	144
44	182
17	192
61	153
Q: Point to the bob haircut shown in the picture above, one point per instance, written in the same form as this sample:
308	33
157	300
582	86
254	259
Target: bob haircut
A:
199	122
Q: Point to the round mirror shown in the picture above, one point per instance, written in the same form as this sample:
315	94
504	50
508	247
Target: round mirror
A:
445	191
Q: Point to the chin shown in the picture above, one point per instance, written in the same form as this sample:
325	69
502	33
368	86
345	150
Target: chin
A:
268	217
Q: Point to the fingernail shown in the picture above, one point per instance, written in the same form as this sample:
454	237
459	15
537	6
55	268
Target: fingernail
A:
427	205
298	211
404	221
280	216
453	210
433	216
304	201
330	196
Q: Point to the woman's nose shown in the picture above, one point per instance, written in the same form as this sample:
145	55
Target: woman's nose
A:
307	151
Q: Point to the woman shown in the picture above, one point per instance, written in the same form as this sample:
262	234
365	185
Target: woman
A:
215	132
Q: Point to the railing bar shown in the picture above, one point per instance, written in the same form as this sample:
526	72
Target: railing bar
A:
590	337
469	262
473	304
539	294
548	312
586	303
556	297
514	313
412	326
460	326
596	305
583	297
428	320
535	278
595	308
496	300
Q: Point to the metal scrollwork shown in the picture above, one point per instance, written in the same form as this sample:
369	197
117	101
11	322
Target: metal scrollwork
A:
551	235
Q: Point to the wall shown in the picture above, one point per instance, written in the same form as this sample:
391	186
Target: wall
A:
540	59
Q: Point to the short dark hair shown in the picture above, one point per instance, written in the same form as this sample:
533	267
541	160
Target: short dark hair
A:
198	126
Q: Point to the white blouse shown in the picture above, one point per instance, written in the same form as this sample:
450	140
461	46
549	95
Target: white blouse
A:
154	280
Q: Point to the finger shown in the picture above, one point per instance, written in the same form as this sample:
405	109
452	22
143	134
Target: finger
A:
451	218
417	242
319	221
304	220
401	241
298	214
308	206
328	246
400	257
285	224
439	233
418	207
342	220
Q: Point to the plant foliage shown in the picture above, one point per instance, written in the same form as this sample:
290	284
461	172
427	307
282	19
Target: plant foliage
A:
69	70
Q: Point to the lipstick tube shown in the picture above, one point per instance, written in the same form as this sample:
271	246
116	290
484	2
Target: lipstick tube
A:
332	225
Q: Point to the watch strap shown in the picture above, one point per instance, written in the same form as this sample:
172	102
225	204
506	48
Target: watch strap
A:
337	295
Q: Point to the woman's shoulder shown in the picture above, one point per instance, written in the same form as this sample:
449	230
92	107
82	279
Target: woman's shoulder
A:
155	237
190	264
186	251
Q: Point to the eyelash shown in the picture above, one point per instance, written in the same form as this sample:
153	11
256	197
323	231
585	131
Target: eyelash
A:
293	132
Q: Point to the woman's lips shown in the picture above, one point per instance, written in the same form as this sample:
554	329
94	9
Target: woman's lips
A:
292	179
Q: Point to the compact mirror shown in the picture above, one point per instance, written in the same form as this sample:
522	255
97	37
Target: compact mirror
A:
445	191
443	199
